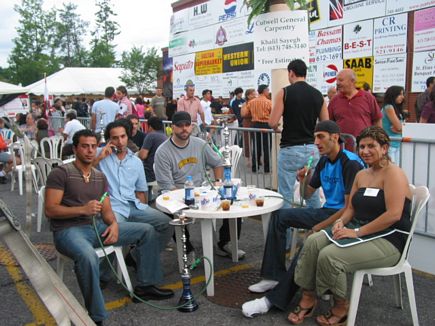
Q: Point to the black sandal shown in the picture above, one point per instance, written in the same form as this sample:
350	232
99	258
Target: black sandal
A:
341	322
299	309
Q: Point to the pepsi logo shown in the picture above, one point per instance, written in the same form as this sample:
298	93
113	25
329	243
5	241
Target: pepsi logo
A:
330	73
230	6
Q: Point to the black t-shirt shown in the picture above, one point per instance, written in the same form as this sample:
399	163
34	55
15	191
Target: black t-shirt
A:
302	105
138	138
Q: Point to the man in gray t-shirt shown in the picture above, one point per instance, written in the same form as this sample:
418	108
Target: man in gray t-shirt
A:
104	111
183	155
158	103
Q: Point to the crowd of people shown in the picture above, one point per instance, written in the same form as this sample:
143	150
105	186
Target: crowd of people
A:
121	155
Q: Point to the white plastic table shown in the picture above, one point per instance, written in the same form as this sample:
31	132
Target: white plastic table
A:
207	218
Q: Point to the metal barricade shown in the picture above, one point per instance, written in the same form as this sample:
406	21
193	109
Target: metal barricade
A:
416	160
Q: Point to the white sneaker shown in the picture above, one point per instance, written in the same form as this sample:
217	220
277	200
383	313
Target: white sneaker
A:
226	251
256	307
262	286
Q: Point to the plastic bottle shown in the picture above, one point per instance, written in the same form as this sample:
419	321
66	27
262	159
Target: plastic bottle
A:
189	196
228	188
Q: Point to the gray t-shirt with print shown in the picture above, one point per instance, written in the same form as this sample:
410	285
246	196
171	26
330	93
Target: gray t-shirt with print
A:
172	164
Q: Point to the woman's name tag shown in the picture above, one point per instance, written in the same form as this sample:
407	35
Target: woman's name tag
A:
371	192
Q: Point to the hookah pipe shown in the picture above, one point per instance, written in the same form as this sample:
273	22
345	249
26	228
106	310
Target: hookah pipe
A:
187	301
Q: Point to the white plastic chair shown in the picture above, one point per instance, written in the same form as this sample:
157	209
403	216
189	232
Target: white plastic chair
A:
420	197
61	259
122	268
20	169
7	134
44	167
55	144
235	154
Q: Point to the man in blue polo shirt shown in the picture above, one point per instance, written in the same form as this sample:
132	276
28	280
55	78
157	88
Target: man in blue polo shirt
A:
127	183
335	173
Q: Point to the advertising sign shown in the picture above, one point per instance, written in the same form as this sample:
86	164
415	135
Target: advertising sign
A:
183	73
358	39
179	22
211	37
329	44
363	68
323	75
398	6
423	67
424	29
312	40
356	10
238	57
390	35
389	70
280	37
208	62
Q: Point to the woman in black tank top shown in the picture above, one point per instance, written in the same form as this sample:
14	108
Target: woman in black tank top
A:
370	233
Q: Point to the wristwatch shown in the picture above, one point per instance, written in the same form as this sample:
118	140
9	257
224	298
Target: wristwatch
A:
356	231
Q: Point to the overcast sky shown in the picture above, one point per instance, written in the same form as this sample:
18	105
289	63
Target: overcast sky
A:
142	22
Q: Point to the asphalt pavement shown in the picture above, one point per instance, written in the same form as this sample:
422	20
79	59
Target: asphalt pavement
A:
20	305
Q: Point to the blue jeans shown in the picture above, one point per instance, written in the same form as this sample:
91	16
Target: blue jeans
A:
78	243
290	160
156	218
273	266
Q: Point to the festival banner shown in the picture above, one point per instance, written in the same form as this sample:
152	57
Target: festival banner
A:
358	39
398	6
424	29
208	62
329	44
388	71
238	57
280	37
363	68
423	67
390	35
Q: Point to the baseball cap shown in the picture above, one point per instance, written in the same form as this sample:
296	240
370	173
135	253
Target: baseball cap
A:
330	127
181	117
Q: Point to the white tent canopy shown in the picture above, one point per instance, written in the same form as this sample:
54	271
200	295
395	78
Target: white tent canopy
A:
6	88
77	81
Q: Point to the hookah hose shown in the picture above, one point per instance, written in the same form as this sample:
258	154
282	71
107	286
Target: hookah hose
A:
204	167
119	279
303	183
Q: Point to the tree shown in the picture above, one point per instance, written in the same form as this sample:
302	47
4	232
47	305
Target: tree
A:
102	52
34	47
141	69
70	32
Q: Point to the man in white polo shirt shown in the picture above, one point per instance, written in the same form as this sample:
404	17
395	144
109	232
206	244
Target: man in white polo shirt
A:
72	125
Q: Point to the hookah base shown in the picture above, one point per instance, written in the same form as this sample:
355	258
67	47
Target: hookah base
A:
188	302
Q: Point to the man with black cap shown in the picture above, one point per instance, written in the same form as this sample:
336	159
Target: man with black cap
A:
181	156
335	173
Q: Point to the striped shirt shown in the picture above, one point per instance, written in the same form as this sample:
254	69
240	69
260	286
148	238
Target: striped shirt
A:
259	109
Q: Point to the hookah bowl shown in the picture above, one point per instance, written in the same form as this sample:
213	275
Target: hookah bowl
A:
187	301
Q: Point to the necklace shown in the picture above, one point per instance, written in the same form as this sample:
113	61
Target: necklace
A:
87	178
